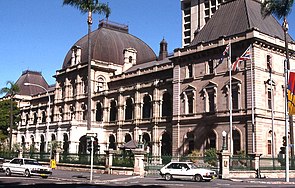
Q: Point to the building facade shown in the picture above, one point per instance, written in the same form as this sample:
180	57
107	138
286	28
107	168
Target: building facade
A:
172	104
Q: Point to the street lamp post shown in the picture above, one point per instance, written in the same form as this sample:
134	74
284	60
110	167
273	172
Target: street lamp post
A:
223	140
48	110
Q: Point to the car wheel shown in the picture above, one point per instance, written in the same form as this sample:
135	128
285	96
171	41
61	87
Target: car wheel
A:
198	178
27	173
7	172
168	177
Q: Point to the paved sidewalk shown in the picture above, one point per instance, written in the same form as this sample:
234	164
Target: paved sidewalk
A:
64	175
277	181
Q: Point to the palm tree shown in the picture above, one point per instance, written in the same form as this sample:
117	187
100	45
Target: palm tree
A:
281	9
10	93
90	7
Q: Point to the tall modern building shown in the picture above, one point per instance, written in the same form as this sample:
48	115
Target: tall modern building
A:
172	104
195	14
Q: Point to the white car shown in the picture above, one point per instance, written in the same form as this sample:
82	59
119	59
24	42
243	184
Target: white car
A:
186	170
26	167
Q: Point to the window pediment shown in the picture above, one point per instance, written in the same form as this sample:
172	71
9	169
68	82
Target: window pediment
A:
210	85
234	81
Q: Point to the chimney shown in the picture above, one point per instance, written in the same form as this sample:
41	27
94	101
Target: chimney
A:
163	50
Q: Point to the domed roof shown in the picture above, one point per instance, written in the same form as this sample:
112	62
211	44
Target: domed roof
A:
108	43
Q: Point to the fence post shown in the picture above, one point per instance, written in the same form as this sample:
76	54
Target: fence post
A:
138	162
109	160
20	153
225	156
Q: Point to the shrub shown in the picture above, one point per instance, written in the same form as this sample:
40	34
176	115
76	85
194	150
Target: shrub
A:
211	156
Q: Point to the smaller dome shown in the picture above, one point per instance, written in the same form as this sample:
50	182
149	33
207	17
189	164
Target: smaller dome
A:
108	43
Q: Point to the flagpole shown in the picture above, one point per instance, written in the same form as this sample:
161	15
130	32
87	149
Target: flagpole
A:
286	122
230	103
252	103
272	115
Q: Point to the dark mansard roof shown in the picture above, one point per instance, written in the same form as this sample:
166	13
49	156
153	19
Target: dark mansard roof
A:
235	17
108	43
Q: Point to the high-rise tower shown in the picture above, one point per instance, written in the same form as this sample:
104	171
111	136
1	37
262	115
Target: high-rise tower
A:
195	14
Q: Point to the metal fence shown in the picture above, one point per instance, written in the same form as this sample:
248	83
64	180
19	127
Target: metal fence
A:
125	159
8	155
276	163
240	163
73	158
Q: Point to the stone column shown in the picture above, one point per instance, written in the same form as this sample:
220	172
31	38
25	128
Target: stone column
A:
225	154
256	163
57	154
20	153
138	162
109	160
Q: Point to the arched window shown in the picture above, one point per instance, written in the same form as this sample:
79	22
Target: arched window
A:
129	109
146	142
99	112
42	144
53	137
112	142
35	118
166	143
32	146
27	119
269	62
236	94
189	71
61	115
65	143
191	141
74	87
23	144
210	97
270	87
100	84
236	141
113	111
84	111
269	143
83	145
147	107
43	117
210	67
130	59
127	137
188	100
211	142
167	105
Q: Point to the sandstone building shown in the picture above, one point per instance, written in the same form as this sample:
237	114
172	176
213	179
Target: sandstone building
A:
174	104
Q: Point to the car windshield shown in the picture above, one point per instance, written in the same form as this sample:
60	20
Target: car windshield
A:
31	162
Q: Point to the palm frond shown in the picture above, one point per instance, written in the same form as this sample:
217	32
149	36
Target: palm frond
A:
279	8
12	90
89	6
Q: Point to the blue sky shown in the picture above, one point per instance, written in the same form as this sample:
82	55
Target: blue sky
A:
36	34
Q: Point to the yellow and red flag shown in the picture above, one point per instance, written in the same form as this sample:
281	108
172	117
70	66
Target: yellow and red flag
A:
291	93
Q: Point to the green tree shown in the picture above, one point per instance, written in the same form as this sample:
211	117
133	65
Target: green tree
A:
90	7
10	92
